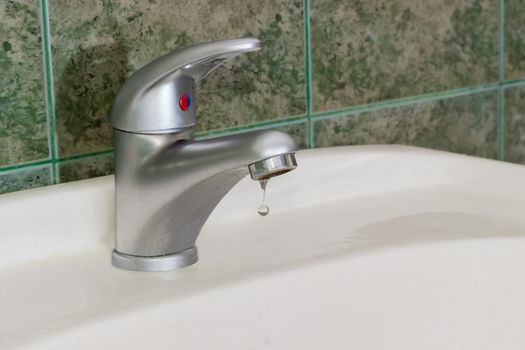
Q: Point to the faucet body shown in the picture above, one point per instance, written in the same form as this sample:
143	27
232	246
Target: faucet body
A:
166	183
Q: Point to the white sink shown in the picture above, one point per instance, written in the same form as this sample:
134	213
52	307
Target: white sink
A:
369	247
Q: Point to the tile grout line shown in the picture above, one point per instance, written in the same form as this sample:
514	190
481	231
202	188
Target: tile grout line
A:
90	155
39	163
49	88
25	166
296	120
225	132
513	83
255	126
501	77
501	41
44	82
308	75
501	124
406	101
108	152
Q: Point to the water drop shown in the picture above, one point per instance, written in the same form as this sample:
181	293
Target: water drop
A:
263	210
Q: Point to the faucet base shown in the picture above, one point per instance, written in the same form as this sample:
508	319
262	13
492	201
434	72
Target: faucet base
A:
155	263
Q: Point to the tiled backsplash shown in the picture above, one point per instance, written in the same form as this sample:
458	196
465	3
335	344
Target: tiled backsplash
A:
441	74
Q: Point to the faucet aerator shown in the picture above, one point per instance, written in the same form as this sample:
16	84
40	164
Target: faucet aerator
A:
273	166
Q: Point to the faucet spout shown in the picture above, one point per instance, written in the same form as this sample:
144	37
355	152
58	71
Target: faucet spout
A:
170	190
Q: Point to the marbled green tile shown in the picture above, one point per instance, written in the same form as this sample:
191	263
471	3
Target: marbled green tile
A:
515	124
23	133
465	125
24	179
97	44
86	168
514	39
366	51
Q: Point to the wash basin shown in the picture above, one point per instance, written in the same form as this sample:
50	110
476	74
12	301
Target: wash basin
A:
365	247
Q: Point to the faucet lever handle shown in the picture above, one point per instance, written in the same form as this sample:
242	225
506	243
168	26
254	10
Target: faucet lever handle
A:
204	58
158	97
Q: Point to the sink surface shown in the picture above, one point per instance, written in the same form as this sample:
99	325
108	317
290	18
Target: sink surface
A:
365	247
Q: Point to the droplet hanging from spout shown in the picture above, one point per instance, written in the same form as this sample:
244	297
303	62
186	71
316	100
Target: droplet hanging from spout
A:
264	209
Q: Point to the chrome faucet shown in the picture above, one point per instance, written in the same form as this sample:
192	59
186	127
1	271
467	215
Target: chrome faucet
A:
166	183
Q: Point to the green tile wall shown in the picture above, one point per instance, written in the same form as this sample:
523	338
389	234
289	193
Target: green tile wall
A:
23	134
441	74
466	124
368	51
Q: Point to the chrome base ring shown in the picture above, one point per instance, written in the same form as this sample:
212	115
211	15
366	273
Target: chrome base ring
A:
155	263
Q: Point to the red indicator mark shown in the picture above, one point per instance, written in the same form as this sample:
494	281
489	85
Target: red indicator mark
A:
184	102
